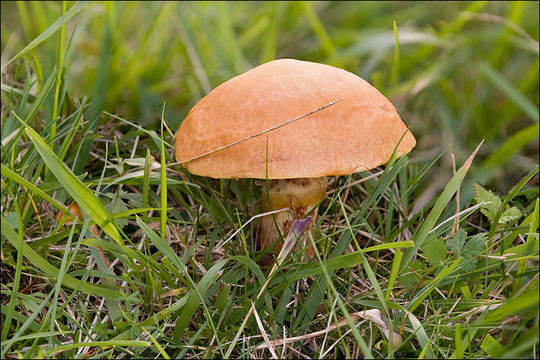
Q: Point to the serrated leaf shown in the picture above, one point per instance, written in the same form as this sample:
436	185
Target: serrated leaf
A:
467	250
435	251
493	202
468	264
492	206
457	241
474	246
510	214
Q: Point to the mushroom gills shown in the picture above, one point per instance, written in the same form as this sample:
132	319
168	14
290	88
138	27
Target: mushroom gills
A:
301	196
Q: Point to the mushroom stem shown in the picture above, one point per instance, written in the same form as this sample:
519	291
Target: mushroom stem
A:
299	195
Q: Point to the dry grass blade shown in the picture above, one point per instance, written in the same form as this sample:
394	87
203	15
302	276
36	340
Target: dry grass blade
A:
263	332
373	315
260	133
457	215
296	230
247	222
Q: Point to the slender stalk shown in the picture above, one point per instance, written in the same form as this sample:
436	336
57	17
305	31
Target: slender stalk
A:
58	77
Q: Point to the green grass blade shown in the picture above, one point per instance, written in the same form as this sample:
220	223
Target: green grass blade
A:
146	181
394	77
161	245
391	245
62	20
73	131
61	273
163	191
31	188
17	277
35	335
56	101
317	26
458	342
424	293
98	343
197	296
437	210
501	83
394	272
157	345
51	270
85	198
421	335
491	346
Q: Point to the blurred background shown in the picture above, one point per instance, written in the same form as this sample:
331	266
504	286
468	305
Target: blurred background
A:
462	71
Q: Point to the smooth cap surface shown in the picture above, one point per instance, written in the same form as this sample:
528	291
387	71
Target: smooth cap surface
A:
358	133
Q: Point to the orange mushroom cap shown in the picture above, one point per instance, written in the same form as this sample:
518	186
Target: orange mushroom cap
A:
358	133
69	219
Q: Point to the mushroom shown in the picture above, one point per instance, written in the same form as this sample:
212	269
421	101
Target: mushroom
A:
236	131
68	219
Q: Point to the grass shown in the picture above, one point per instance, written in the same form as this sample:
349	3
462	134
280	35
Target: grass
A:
443	243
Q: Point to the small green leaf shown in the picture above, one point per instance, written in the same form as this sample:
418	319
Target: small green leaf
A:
509	214
457	241
492	206
474	245
471	250
468	264
468	250
493	202
435	251
118	206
